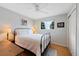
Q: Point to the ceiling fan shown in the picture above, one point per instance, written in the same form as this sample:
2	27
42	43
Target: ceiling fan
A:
38	9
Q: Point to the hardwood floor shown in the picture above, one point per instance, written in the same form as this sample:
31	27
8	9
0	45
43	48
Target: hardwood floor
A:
61	51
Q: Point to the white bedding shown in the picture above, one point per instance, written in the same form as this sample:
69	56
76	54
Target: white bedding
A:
32	42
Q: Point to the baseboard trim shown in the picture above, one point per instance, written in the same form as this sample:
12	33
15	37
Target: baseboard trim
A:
59	44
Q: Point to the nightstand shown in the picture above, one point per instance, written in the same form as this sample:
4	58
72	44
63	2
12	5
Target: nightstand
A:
10	37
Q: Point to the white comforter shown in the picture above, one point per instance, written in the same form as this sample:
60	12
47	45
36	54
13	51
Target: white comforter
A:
32	42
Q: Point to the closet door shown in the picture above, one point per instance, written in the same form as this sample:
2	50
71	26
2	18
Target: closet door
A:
78	29
72	32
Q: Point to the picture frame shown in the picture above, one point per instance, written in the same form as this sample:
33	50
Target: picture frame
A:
24	22
42	25
60	24
52	25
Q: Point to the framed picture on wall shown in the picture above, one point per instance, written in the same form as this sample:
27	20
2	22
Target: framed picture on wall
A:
52	25
24	22
60	24
42	25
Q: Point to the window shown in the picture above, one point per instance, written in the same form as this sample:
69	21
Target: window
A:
47	25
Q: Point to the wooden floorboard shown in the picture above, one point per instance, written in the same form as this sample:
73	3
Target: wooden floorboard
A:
61	51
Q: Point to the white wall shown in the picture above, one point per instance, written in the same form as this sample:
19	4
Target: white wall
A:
59	35
12	19
72	30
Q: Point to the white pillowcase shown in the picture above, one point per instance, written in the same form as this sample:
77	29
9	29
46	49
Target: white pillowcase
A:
24	32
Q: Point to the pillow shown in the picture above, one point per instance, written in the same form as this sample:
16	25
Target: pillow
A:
23	32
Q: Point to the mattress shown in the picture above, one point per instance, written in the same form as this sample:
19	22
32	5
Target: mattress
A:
32	42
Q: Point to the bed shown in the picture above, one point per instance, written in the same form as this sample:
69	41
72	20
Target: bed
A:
36	43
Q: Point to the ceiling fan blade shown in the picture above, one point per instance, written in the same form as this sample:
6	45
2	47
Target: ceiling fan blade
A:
37	8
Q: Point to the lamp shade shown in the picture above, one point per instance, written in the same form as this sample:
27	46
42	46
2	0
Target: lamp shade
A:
33	29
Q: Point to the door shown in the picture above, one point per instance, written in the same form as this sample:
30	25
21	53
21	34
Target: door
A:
72	33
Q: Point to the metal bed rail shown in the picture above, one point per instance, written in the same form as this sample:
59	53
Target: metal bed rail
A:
45	43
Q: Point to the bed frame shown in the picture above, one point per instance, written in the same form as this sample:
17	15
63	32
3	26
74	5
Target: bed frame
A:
42	53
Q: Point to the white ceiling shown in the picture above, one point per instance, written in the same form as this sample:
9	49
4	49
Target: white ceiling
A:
48	9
